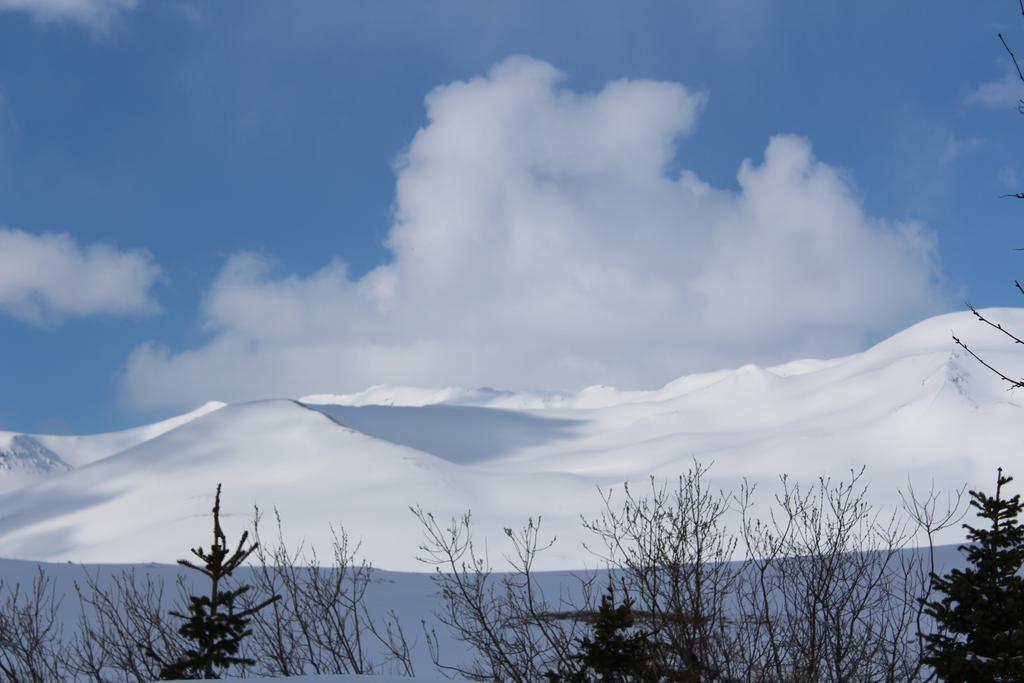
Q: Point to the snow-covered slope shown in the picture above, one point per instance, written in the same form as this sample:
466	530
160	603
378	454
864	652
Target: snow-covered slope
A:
148	502
24	460
27	458
914	407
81	450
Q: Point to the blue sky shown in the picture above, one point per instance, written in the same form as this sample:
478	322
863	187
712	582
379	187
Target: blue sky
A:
255	199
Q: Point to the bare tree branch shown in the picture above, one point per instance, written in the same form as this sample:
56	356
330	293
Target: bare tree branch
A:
1014	383
996	326
1020	74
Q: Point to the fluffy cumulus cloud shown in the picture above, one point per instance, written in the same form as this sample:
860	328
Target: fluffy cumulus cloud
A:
46	278
95	13
542	239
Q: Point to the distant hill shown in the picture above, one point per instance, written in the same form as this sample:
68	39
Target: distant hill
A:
913	407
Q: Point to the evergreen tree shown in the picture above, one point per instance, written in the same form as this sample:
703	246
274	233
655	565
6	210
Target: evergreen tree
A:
616	652
212	624
981	613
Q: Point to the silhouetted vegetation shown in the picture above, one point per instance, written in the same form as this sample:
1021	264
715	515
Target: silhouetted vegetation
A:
820	586
215	623
980	613
616	651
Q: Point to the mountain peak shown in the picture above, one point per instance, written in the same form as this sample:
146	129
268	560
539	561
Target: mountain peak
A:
25	454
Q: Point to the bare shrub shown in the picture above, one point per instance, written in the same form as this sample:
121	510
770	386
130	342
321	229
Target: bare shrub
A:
321	624
31	633
824	587
513	630
123	632
832	592
673	556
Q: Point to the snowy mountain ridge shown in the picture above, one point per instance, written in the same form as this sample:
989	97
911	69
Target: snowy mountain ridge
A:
914	408
25	453
82	450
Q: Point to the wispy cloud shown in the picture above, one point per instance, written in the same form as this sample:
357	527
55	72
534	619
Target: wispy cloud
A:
49	277
97	14
541	241
1005	92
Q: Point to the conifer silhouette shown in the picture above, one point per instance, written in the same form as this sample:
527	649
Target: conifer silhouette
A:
981	613
212	624
615	652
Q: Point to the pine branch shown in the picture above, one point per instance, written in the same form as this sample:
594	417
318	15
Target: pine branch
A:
189	565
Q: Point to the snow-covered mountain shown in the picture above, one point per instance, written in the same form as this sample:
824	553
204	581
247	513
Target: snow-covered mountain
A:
78	451
913	408
23	459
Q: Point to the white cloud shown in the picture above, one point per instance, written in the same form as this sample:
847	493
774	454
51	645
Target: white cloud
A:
95	13
541	241
1006	92
46	278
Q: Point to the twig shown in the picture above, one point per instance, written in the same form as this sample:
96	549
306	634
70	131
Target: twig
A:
1012	56
1015	383
997	326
